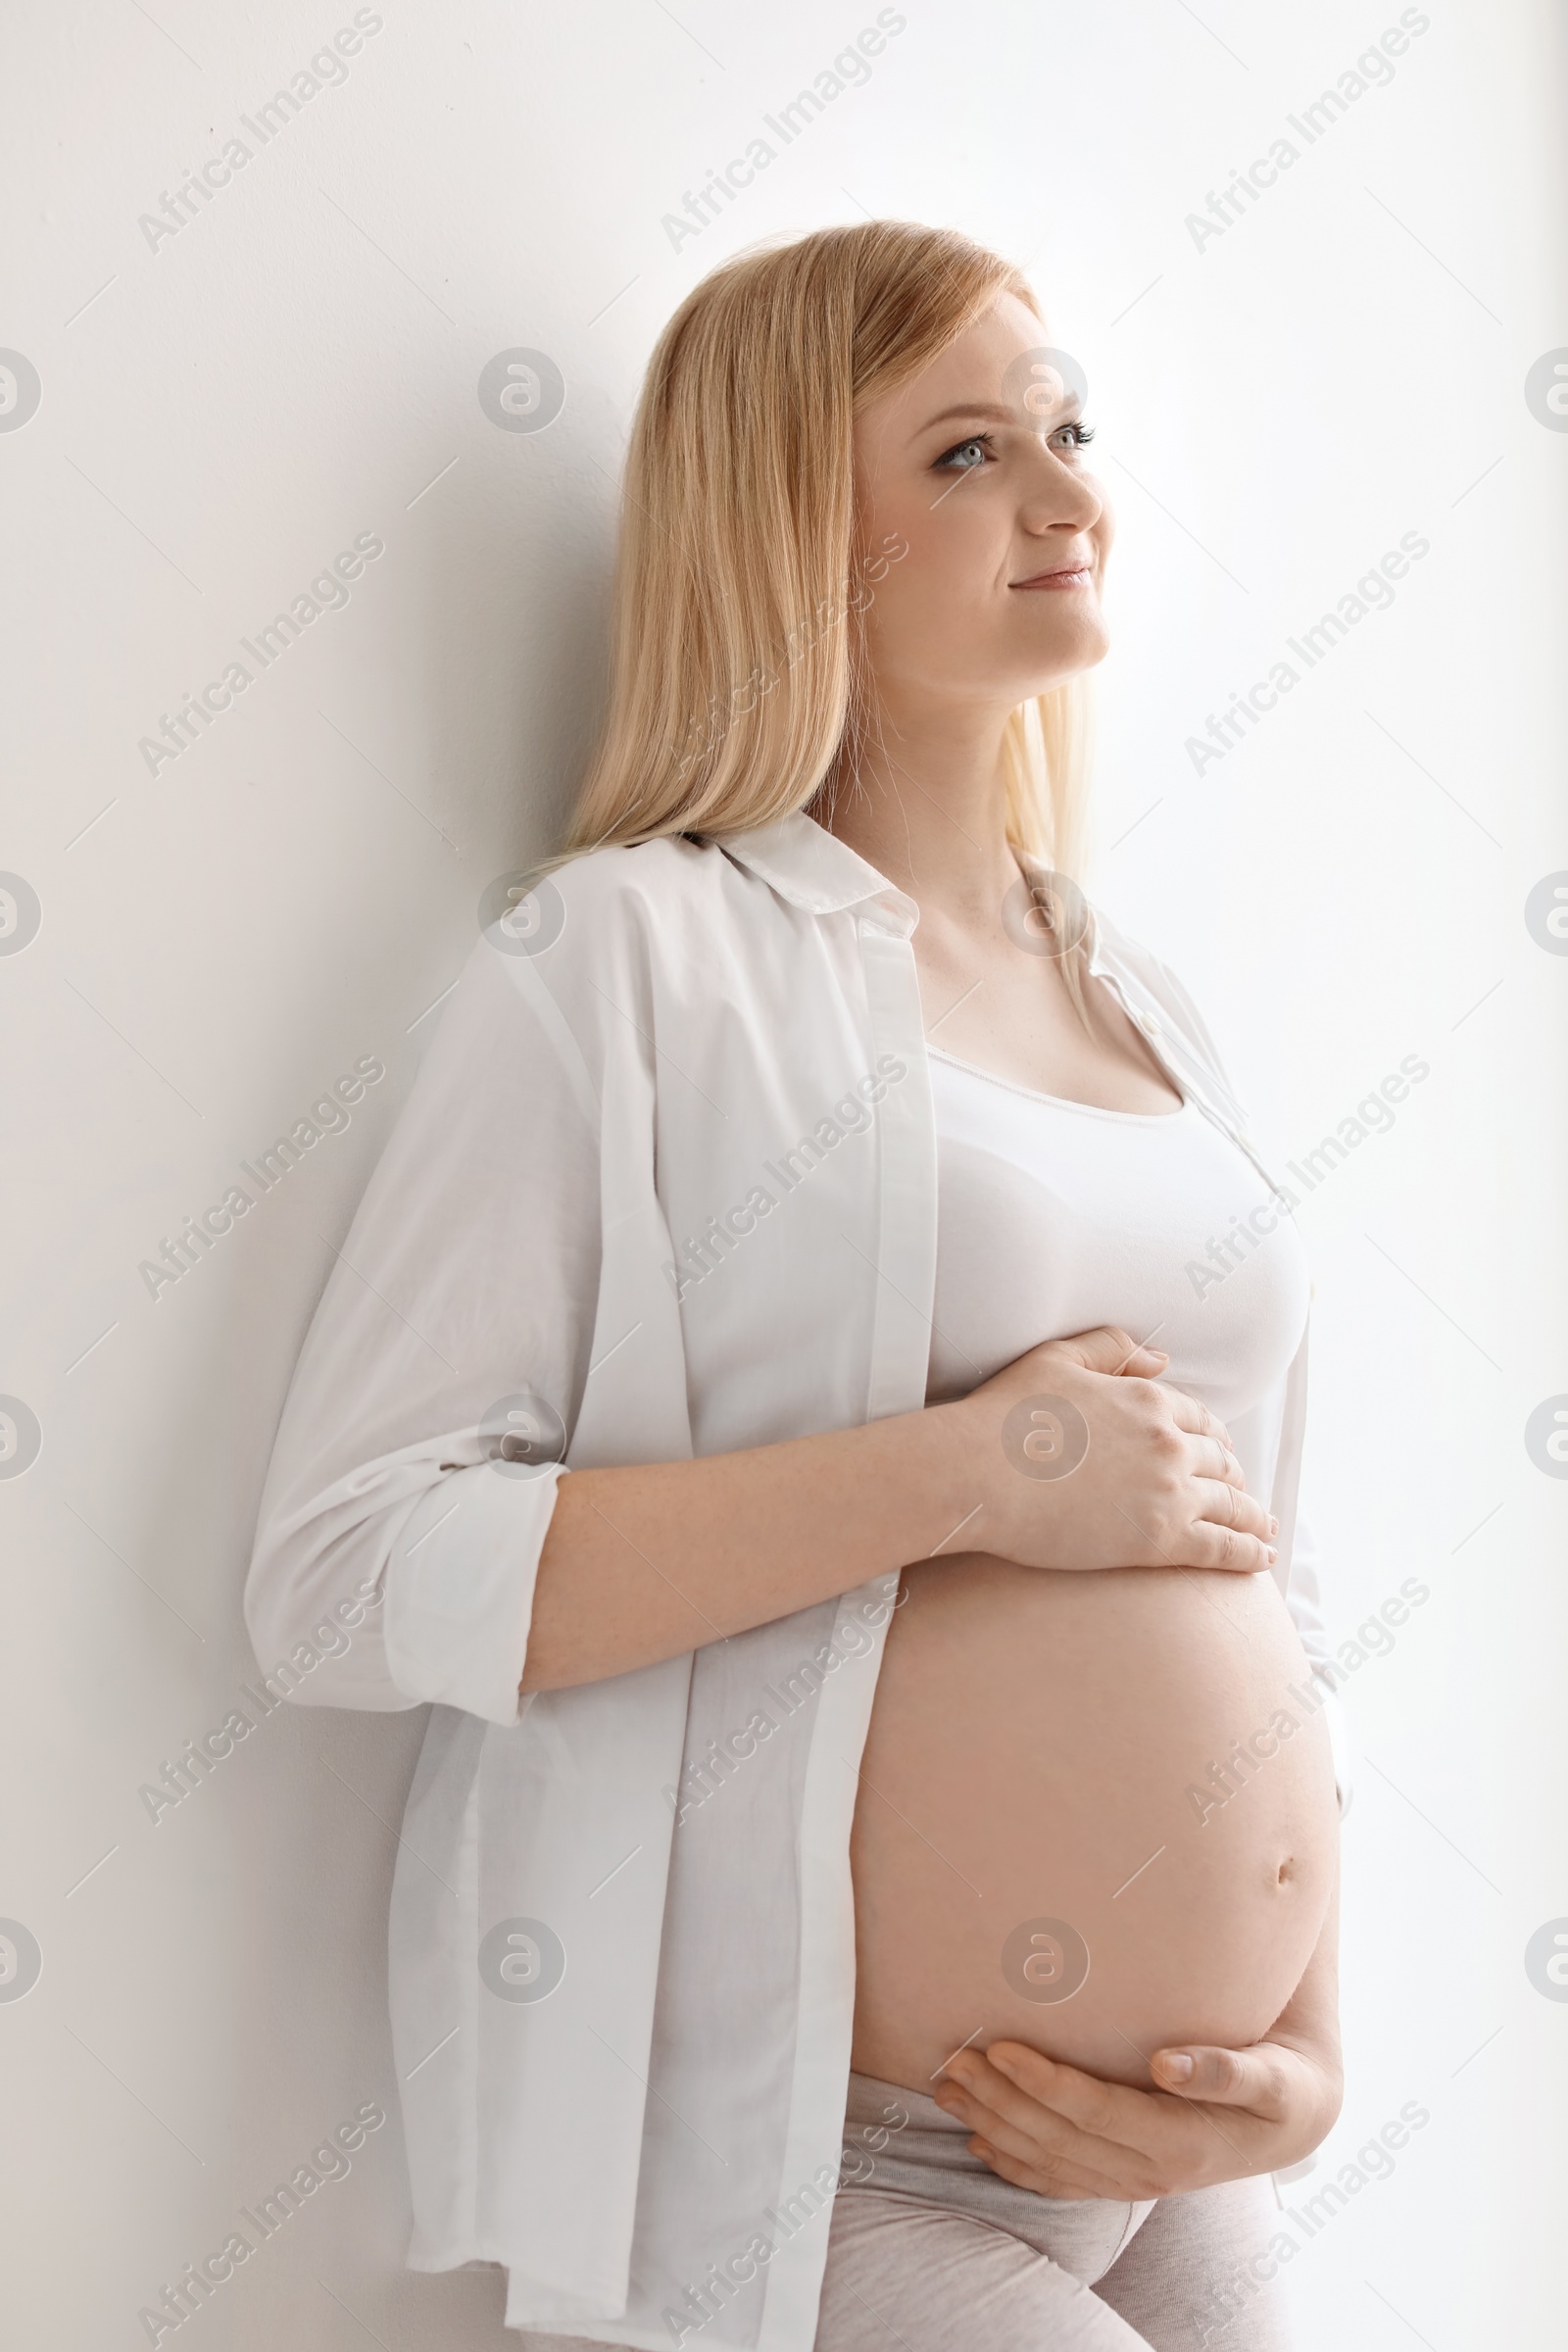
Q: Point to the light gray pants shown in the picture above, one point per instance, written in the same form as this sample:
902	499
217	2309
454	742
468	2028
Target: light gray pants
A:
930	2251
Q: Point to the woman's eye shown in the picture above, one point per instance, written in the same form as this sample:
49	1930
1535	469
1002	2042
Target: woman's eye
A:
964	456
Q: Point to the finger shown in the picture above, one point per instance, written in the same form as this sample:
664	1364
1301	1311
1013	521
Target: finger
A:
1091	2106
1188	1414
1233	1506
1008	2118
1205	1546
1049	2184
1213	1458
1225	1505
1020	2126
1158	2142
1110	1350
1059	2159
1253	2080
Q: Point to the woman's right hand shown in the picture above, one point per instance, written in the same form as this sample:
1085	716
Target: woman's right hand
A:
1080	1459
647	1559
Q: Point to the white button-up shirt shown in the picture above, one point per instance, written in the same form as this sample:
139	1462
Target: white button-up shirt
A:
665	1186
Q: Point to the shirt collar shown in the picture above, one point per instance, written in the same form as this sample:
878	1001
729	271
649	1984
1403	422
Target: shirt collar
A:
811	868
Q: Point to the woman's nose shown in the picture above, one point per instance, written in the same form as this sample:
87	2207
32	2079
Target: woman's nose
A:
1061	495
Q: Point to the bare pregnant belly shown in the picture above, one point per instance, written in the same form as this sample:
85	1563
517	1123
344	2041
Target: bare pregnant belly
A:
1039	1853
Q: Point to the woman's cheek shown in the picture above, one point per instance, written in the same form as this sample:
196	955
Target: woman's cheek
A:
1104	532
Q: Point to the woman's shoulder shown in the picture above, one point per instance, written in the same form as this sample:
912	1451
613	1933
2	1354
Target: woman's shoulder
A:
645	882
598	925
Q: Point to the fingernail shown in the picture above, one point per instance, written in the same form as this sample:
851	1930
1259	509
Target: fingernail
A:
1003	2063
1273	1555
1273	1527
1176	2066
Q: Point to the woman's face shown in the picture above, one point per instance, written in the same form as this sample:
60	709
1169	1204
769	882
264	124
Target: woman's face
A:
997	597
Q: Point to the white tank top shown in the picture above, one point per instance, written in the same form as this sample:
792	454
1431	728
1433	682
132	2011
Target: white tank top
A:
1054	1216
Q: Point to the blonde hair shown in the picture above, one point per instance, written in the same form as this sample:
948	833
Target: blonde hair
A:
737	695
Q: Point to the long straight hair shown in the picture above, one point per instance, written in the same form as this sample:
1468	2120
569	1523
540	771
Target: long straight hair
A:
736	695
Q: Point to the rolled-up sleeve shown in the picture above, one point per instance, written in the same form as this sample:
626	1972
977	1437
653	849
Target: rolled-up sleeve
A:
459	1590
461	1297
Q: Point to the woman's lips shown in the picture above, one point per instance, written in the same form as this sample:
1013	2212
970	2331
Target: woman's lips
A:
1075	576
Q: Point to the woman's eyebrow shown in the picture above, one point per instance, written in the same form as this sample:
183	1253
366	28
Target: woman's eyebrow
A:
996	412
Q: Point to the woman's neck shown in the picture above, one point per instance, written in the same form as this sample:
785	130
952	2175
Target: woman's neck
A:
928	809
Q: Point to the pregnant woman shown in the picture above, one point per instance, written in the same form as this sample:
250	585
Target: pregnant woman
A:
813	1396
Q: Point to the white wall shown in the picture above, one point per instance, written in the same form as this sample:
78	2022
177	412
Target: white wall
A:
222	412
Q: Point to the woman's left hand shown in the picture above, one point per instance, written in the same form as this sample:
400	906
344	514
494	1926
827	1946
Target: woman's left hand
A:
1227	2114
1064	2133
